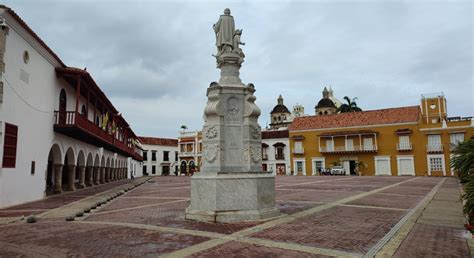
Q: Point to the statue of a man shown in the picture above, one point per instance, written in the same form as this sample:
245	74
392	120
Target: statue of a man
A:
224	29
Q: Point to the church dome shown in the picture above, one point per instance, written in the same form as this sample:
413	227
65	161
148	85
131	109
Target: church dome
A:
280	107
325	103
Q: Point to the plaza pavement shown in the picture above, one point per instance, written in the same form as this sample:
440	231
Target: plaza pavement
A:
322	216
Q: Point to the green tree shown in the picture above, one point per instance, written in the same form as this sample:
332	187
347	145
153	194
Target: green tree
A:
184	127
463	163
350	106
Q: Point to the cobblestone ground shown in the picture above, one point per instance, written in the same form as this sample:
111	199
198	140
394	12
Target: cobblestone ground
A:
322	217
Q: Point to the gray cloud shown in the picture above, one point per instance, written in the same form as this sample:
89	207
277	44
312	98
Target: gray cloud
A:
153	59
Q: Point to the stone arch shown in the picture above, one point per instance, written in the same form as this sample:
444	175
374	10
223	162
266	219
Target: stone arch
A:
102	162
89	160
70	156
55	154
96	160
81	158
107	164
183	167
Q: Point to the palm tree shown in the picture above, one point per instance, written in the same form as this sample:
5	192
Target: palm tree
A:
463	163
184	128
350	106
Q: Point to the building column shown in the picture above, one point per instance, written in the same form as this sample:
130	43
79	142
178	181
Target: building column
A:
58	176
71	177
89	176
114	173
102	175
82	177
97	175
122	172
107	175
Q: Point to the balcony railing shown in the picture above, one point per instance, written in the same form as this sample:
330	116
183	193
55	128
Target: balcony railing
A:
404	146
298	151
348	149
264	156
432	148
78	126
279	156
187	154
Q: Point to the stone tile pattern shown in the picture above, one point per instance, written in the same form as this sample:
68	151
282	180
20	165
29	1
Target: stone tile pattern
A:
77	239
237	249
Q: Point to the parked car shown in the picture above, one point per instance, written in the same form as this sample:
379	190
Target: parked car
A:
338	170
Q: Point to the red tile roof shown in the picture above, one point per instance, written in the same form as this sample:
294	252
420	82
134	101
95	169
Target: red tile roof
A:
158	141
364	118
275	134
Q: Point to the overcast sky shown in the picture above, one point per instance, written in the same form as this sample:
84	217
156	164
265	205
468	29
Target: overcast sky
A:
153	58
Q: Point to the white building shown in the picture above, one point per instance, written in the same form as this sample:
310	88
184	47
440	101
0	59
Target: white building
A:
160	156
58	130
276	152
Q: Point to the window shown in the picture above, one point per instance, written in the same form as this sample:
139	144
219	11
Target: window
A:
299	167
456	138
436	164
329	145
153	169
10	145
349	144
434	142
404	142
368	144
145	155
153	156
166	156
144	171
279	153
298	147
83	110
175	156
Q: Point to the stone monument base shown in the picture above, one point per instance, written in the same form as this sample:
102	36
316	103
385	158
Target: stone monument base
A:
232	197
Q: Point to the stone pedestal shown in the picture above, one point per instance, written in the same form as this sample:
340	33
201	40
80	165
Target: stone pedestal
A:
231	185
89	176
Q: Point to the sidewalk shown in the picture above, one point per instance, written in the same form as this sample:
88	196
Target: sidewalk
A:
438	229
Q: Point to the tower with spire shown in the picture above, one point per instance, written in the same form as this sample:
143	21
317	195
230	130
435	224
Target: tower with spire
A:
280	115
325	106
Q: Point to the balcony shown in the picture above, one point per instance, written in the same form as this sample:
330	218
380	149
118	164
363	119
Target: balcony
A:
77	126
299	151
404	146
186	154
264	156
434	148
279	156
351	149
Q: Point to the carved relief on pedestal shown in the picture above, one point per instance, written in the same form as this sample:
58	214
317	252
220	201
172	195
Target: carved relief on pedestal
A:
246	153
233	110
210	152
255	153
255	131
211	132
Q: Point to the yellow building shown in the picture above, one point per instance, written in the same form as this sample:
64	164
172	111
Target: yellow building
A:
190	150
414	140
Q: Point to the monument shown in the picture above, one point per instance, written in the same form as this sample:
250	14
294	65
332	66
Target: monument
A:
231	185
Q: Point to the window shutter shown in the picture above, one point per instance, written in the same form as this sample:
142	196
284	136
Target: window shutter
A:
10	146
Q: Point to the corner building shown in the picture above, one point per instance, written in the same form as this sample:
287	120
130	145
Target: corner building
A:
413	140
58	130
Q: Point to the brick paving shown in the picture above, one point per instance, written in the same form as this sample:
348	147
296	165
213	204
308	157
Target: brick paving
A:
322	215
236	249
55	201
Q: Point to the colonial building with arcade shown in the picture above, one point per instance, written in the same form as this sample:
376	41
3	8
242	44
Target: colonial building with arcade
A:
58	130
